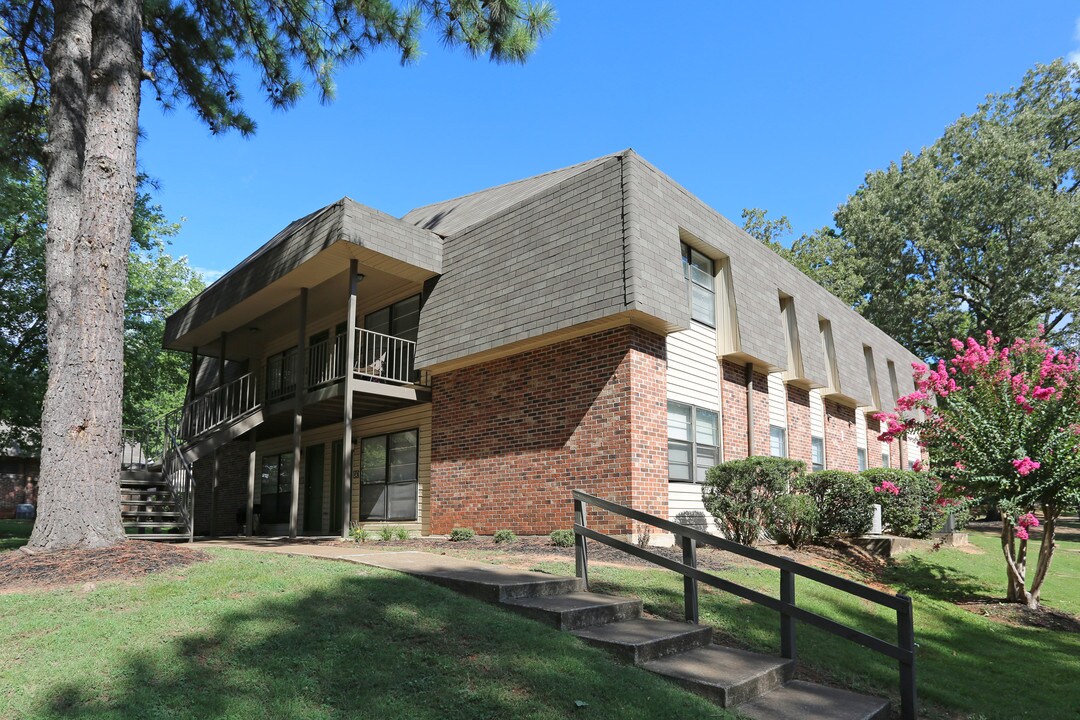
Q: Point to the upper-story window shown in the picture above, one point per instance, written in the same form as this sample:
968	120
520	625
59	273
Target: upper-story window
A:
700	274
400	319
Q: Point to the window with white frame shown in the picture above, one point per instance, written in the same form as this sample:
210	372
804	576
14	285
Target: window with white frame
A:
777	441
817	453
700	275
862	459
693	442
884	455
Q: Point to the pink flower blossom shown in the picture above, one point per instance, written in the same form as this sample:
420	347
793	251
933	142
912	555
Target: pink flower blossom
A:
1043	393
1021	533
1027	520
916	466
887	487
1025	466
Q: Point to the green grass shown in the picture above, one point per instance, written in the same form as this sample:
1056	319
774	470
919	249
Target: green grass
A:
261	636
968	665
14	533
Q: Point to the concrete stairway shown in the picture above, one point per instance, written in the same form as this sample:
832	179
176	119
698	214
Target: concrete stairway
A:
759	686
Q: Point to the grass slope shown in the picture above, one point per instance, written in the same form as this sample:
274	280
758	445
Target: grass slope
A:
264	637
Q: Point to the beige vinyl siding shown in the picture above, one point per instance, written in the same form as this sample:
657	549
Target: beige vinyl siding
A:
693	374
686	498
418	417
860	428
817	414
777	400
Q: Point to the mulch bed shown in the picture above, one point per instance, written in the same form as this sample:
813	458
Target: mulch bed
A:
1022	616
21	571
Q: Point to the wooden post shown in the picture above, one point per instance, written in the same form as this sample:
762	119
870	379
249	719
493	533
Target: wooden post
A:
250	517
192	374
690	588
787	623
750	444
581	551
300	381
905	631
347	389
213	494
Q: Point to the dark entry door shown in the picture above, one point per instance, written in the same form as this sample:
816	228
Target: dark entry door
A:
313	488
335	487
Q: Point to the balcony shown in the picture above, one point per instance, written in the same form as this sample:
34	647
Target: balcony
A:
380	358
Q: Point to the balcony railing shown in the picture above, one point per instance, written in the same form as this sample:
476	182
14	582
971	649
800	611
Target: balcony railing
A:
326	361
384	357
220	406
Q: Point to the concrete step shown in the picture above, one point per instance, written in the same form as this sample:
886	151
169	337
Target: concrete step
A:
140	478
644	639
724	675
480	580
155	524
126	514
808	701
141	501
175	537
576	610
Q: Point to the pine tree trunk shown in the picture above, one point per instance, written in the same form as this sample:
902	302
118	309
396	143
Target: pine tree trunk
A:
96	66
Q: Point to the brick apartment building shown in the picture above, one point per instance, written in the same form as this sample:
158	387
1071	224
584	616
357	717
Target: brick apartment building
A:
595	327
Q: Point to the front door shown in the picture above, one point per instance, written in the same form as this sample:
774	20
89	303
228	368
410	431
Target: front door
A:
335	487
313	489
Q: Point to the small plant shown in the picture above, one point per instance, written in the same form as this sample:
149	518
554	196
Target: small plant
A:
741	494
562	538
400	533
358	533
505	536
386	533
644	536
793	519
462	533
844	502
909	501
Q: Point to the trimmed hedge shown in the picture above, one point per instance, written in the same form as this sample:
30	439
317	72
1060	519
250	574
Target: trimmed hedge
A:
913	511
742	494
843	499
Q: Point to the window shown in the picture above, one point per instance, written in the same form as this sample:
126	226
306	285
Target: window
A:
885	456
402	319
817	453
777	441
701	280
275	499
388	476
862	459
693	442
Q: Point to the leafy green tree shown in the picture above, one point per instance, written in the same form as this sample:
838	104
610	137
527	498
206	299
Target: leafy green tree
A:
980	230
88	60
1003	422
767	231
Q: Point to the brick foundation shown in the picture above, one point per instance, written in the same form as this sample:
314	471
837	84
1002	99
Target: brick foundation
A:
798	419
840	446
512	437
18	484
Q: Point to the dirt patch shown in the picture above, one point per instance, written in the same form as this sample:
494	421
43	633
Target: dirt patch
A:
21	571
1021	616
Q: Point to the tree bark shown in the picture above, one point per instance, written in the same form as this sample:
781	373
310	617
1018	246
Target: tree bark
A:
96	63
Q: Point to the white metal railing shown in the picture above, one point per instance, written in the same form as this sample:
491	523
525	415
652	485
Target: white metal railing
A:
132	456
221	405
281	376
326	361
384	357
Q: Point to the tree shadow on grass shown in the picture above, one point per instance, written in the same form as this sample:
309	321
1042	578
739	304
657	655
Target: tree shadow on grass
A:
924	575
371	645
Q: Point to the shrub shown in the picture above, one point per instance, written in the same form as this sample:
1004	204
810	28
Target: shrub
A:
400	533
843	500
358	533
386	533
909	501
462	533
793	520
505	536
741	494
562	538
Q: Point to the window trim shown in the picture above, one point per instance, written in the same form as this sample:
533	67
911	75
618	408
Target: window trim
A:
816	441
693	443
783	440
862	458
687	256
386	517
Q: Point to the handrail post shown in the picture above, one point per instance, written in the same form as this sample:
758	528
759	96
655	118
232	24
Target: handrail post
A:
788	648
581	551
690	587
905	631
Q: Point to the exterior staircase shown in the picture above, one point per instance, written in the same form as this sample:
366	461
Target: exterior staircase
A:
157	495
757	686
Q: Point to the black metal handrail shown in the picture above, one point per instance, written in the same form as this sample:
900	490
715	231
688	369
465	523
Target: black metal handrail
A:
180	474
903	651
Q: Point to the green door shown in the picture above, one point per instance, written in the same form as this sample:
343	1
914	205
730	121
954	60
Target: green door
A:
335	487
313	488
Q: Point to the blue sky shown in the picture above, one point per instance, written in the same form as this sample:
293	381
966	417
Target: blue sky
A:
783	106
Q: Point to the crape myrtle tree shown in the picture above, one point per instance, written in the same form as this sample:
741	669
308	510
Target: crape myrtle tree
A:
87	60
1002	422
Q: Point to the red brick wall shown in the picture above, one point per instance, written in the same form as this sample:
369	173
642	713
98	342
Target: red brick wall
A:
840	446
231	491
873	445
18	484
761	414
512	437
798	418
733	401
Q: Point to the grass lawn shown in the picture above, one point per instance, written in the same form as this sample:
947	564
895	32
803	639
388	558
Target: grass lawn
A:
262	636
14	533
968	665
